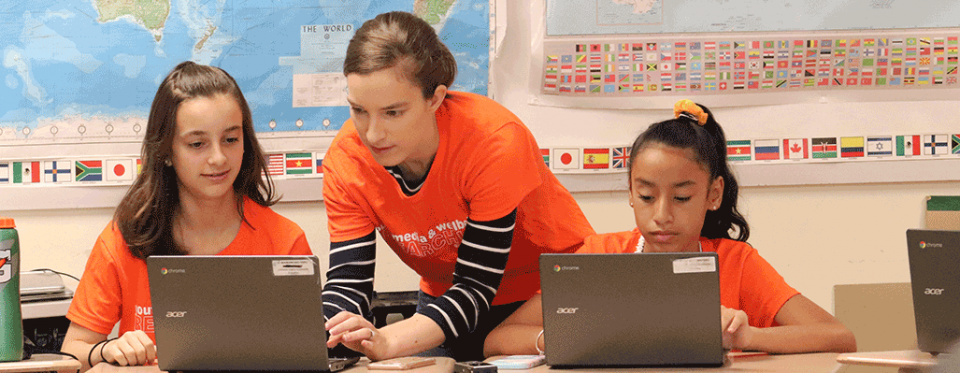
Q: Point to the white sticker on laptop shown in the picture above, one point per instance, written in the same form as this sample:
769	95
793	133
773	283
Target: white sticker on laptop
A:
293	267
695	265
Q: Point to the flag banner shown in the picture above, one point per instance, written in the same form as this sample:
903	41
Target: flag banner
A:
796	57
738	150
26	172
4	173
299	163
795	149
319	163
621	157
879	146
597	158
909	145
89	171
566	159
936	144
274	164
851	147
765	150
824	147
120	170
57	171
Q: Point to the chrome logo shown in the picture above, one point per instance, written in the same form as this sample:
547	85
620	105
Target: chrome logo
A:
923	244
163	271
556	268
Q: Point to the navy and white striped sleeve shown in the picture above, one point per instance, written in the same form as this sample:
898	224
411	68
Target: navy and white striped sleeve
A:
481	260
349	284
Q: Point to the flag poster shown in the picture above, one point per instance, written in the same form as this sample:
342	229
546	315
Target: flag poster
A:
738	150
658	66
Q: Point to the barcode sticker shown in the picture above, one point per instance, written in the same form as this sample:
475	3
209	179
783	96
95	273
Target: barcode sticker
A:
695	265
293	267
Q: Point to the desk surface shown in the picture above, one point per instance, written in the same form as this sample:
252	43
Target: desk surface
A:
806	363
42	363
911	359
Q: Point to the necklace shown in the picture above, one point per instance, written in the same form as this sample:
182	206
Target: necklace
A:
641	241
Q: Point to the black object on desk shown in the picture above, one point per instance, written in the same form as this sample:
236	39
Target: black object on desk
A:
386	303
44	290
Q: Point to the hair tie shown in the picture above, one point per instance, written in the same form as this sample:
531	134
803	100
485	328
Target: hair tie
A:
689	109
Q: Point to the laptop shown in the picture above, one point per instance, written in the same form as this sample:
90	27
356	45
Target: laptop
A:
215	313
657	309
934	257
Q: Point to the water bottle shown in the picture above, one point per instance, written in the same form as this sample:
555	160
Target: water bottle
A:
11	322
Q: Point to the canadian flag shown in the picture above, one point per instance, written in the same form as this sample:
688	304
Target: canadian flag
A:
795	149
120	170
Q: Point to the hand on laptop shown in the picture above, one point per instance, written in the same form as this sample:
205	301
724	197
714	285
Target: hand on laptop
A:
357	334
132	348
737	332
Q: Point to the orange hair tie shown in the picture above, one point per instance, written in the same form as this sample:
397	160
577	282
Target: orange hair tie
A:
690	108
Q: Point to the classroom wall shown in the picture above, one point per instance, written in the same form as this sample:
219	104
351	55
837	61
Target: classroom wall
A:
816	236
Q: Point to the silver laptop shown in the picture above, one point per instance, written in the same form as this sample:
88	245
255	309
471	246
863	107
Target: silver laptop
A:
239	313
935	277
631	309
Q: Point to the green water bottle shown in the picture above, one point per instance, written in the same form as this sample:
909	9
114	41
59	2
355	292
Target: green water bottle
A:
11	322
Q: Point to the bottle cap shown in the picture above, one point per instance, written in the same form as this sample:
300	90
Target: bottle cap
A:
6	223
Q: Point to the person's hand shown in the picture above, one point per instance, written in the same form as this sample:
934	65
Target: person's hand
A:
132	348
737	332
358	334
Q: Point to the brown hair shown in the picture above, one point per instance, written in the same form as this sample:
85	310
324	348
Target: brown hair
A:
399	37
145	215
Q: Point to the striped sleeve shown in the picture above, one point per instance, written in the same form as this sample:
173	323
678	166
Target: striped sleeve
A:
481	259
349	284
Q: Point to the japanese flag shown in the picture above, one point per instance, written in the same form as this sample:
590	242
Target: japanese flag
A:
120	170
566	159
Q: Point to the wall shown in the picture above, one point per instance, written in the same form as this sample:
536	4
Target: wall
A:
816	236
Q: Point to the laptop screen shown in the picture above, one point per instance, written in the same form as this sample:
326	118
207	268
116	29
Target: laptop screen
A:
238	312
934	258
631	309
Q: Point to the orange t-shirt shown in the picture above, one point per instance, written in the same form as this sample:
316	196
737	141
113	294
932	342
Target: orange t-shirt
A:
487	164
747	281
114	286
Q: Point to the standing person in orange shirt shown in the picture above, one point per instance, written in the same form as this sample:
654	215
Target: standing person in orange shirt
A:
201	193
455	184
684	199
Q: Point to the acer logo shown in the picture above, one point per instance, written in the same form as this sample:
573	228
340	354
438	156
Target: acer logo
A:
933	291
176	313
567	310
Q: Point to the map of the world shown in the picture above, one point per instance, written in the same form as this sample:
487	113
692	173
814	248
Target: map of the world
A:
75	67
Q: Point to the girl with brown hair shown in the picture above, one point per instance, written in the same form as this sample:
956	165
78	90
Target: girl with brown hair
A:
202	192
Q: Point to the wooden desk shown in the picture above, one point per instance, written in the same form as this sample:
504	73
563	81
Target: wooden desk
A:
805	363
908	361
42	363
443	365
